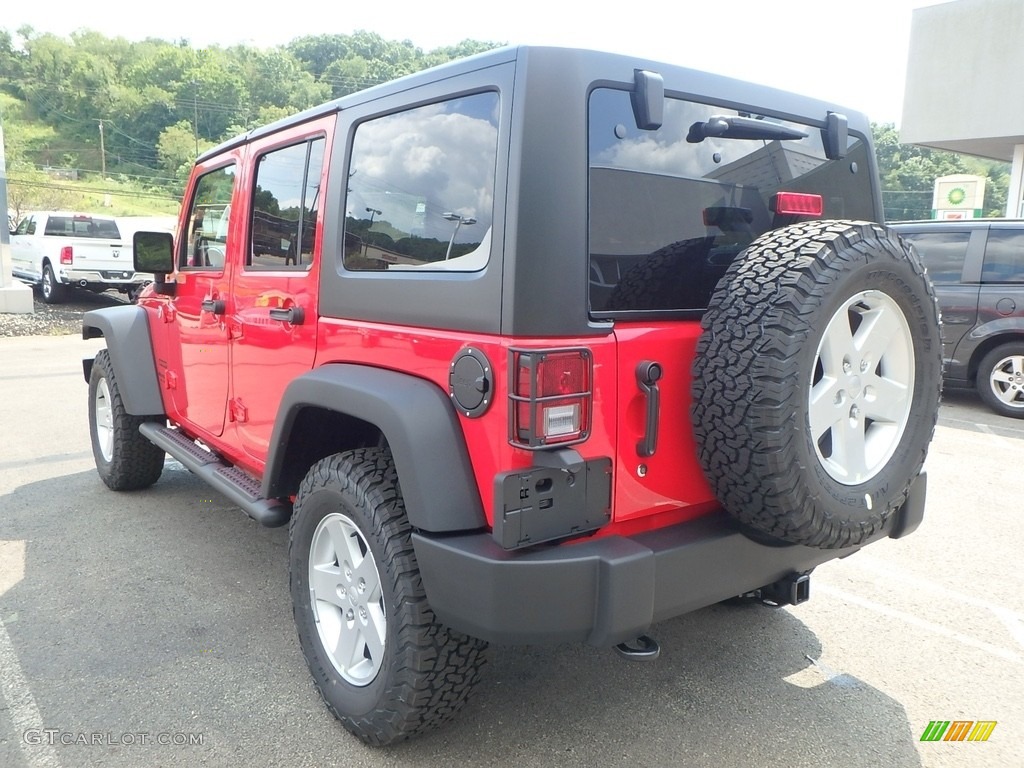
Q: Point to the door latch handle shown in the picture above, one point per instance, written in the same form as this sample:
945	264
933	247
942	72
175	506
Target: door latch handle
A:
647	375
216	306
293	315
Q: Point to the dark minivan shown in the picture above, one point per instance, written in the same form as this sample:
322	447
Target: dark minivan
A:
977	267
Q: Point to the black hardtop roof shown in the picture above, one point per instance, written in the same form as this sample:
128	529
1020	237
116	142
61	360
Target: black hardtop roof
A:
611	68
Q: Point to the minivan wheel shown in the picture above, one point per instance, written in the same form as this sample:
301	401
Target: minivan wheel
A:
381	661
1000	380
816	383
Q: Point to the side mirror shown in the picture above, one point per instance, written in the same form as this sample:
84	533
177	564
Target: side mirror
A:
153	252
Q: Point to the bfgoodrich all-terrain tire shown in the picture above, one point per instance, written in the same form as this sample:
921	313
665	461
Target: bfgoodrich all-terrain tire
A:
817	381
381	661
125	460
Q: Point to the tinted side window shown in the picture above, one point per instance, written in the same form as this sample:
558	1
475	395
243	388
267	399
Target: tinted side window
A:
206	242
943	253
421	187
284	210
1004	257
26	227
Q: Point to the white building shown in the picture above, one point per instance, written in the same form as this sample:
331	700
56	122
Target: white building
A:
965	82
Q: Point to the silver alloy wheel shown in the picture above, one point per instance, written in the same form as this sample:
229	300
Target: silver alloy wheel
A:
862	389
348	603
1007	381
48	278
104	416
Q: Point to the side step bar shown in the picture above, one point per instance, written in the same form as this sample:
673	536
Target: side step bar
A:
241	488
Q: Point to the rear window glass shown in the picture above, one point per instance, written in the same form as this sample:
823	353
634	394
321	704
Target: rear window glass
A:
668	215
1004	257
943	253
82	226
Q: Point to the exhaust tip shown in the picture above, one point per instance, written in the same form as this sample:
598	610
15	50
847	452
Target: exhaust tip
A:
644	648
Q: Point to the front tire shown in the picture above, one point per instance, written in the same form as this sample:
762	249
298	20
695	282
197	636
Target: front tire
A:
817	381
125	460
1000	380
384	665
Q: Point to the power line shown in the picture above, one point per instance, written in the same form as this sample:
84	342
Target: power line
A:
94	190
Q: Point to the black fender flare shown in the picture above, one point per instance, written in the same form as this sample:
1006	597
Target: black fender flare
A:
126	330
421	428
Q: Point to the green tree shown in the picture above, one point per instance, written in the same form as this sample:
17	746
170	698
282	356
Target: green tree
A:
178	148
908	167
155	97
908	175
275	78
317	52
11	61
458	51
29	189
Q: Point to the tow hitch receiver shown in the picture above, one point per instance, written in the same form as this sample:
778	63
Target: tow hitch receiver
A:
791	590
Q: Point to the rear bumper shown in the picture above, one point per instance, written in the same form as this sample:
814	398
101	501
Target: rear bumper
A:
104	277
609	590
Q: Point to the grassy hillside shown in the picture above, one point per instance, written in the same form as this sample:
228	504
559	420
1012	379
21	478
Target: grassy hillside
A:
30	187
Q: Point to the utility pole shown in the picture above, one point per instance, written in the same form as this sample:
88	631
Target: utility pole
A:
103	154
195	114
103	166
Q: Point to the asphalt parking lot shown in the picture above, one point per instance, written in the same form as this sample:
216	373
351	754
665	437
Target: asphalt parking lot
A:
155	628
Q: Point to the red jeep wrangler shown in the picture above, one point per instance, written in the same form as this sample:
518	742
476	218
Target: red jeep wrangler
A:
539	346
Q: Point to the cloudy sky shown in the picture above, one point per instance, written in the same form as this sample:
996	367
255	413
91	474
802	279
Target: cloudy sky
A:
852	52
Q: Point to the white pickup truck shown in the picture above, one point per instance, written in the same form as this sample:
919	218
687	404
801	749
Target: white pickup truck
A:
59	249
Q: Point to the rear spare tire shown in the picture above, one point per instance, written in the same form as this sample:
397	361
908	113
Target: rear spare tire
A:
816	382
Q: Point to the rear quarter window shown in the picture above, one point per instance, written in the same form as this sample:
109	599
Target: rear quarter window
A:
943	253
421	188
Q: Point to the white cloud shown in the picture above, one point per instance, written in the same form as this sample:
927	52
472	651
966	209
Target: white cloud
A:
428	155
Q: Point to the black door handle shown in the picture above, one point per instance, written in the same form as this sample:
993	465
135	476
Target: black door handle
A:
647	375
293	315
217	306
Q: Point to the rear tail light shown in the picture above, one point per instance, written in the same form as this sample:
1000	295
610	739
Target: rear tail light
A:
797	204
66	255
550	397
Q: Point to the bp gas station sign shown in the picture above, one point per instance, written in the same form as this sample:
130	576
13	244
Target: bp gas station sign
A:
958	197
